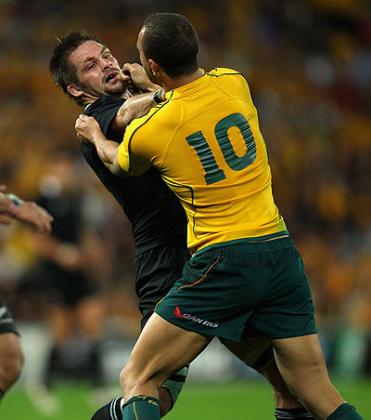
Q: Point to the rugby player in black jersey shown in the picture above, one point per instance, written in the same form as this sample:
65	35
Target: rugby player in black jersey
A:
84	68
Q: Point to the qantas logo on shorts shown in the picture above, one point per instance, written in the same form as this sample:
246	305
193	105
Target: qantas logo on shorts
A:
178	313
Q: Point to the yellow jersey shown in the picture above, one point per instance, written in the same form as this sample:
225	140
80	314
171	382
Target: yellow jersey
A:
206	142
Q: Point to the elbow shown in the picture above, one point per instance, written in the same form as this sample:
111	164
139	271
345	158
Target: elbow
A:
117	170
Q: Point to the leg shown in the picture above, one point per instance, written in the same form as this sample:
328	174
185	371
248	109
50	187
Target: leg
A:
60	323
11	360
90	317
89	321
301	363
257	353
161	349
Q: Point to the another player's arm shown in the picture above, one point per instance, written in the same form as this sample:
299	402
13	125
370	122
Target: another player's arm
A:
7	207
134	107
12	207
88	130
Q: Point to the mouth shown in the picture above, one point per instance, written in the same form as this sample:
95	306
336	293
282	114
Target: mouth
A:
112	76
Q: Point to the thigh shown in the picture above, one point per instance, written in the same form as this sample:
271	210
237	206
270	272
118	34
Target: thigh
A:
257	353
156	271
163	348
302	366
11	355
299	353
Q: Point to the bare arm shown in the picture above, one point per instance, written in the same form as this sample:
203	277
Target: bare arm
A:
134	107
88	130
6	207
66	255
30	213
12	207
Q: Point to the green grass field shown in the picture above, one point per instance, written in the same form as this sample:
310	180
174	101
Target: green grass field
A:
232	401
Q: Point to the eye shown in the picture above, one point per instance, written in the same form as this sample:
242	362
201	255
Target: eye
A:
90	66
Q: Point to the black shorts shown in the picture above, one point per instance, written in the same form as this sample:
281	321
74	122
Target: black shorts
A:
156	271
7	324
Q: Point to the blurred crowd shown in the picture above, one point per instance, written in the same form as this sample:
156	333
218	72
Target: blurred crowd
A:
308	64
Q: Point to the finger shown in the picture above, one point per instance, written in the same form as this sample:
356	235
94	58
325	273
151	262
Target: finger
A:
43	226
127	67
125	77
47	228
5	220
46	215
82	118
81	138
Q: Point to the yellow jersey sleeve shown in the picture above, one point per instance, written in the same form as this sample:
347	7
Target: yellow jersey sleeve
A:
136	150
142	143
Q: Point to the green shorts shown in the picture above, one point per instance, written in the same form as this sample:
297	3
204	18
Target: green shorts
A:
241	288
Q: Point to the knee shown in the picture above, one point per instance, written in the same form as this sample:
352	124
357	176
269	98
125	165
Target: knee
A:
11	363
129	378
124	378
134	377
11	371
285	398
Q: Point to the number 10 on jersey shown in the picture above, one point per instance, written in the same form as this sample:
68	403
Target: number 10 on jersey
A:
212	171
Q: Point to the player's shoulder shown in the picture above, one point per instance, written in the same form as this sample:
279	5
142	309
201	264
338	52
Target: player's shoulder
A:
158	118
223	71
229	80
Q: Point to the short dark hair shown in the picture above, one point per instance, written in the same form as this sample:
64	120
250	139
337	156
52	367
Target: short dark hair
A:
61	69
171	41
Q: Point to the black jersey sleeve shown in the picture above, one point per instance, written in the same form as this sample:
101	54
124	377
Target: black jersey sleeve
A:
104	110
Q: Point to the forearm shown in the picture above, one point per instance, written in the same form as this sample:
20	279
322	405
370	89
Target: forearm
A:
9	204
134	107
107	152
66	255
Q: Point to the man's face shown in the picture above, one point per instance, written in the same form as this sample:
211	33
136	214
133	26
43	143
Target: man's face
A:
97	71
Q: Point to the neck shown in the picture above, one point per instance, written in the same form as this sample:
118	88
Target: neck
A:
170	84
90	98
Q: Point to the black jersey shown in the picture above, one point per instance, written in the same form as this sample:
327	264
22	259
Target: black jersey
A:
154	212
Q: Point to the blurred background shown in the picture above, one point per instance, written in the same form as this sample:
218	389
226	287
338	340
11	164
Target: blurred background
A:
308	64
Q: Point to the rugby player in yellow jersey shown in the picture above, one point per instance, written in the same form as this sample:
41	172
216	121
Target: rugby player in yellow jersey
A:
245	272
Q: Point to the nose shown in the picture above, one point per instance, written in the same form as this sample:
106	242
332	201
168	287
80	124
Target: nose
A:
106	63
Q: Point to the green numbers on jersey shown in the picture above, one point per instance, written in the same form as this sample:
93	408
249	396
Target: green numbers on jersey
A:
212	171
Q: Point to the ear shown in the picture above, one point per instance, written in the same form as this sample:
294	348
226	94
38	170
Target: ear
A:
74	91
155	68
